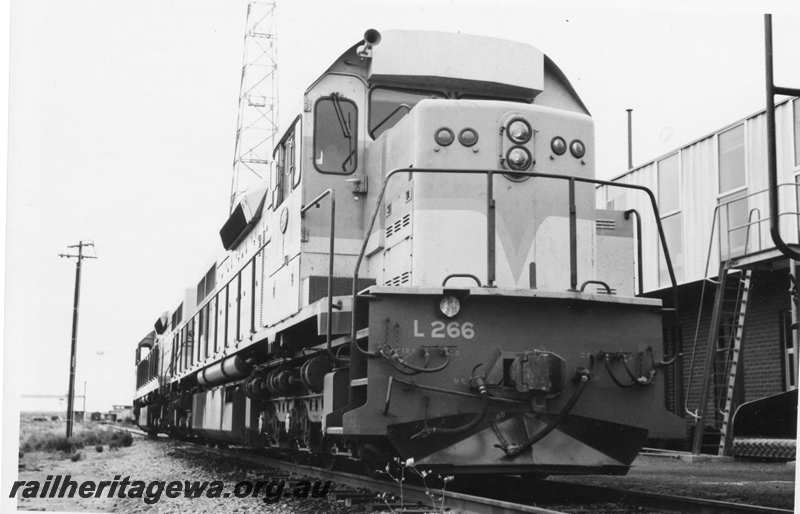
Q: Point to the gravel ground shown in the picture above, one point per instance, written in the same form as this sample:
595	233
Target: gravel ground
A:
770	484
164	460
760	483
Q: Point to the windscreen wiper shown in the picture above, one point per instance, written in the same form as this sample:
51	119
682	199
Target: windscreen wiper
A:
345	126
337	108
389	116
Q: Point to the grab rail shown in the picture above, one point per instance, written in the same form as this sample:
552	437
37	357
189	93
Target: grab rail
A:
332	239
490	232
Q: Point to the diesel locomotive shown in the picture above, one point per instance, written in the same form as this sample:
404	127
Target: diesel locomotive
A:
425	275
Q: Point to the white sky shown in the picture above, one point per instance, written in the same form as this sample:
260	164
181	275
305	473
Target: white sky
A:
122	117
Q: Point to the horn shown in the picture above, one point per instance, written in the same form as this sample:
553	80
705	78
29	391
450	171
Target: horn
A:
372	37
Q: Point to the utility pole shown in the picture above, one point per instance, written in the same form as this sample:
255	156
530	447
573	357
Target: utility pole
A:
78	259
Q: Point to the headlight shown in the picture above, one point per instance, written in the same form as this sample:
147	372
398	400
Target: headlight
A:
519	131
468	137
449	306
558	145
577	149
518	158
444	136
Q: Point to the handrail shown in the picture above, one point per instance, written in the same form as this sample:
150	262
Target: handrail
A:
595	282
772	166
461	275
738	198
714	218
490	250
332	238
750	222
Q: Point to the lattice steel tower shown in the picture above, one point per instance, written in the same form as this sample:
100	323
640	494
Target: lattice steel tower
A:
257	123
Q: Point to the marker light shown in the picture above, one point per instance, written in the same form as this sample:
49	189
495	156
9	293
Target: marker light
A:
519	131
518	158
577	149
444	136
450	306
468	137
558	145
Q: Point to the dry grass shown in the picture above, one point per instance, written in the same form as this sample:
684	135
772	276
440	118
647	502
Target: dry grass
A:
49	436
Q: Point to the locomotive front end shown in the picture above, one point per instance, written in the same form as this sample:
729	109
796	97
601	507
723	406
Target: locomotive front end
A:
481	380
504	331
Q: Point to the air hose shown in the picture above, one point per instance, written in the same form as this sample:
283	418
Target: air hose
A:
480	384
582	377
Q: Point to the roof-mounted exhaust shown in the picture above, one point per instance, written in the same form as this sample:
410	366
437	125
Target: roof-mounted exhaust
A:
371	38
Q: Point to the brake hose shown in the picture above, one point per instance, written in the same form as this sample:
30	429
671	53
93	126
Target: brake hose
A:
391	355
427	431
583	378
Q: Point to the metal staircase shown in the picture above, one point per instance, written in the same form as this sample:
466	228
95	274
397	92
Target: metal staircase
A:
722	355
729	345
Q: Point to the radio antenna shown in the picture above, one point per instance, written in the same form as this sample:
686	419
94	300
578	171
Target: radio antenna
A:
257	121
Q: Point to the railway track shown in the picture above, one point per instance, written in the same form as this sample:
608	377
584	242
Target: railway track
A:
510	494
571	497
360	488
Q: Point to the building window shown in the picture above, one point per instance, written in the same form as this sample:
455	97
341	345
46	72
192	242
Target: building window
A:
731	159
335	135
796	132
669	185
669	207
733	211
673	233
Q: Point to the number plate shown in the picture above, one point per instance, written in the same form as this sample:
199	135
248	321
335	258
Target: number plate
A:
439	329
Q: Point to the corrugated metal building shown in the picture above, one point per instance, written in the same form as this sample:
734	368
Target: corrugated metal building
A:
713	203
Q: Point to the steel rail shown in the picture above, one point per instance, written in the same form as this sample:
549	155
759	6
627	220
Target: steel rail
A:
686	504
413	495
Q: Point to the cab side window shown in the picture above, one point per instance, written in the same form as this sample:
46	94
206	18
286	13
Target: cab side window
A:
287	164
280	166
335	135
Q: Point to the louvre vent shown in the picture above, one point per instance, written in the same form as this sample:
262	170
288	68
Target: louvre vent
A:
603	224
602	290
403	278
395	227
